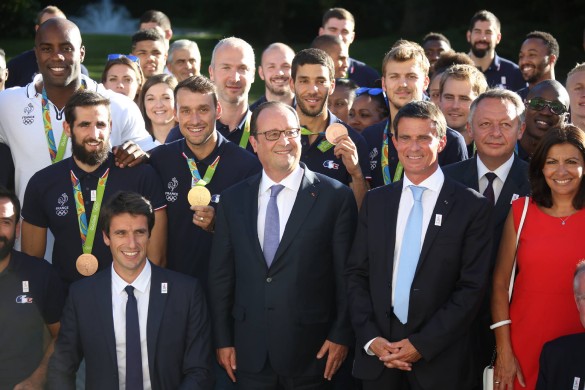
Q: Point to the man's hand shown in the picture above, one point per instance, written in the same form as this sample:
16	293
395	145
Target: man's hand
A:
129	155
336	355
382	347
204	217
226	358
405	354
33	382
347	150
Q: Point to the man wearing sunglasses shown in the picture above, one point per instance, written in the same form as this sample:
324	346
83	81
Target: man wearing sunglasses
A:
547	106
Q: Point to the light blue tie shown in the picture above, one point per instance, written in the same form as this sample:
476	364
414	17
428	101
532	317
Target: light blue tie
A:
272	226
409	255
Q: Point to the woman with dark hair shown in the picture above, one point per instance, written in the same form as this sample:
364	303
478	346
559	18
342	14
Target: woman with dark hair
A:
542	307
123	75
157	103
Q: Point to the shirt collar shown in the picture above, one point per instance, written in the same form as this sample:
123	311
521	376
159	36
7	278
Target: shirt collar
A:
220	125
433	182
292	181
140	283
219	145
495	65
80	173
502	171
32	93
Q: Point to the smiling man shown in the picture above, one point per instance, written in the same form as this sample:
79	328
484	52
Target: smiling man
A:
538	56
66	197
275	71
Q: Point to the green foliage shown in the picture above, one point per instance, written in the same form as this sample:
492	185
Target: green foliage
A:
18	17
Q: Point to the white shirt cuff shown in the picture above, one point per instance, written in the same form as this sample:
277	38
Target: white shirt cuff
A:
367	347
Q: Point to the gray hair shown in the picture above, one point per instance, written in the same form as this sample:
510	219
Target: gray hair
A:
187	45
503	95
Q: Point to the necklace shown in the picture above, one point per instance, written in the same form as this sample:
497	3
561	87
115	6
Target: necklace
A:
564	220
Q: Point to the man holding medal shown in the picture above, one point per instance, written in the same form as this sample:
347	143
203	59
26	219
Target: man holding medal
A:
194	171
66	197
404	79
343	157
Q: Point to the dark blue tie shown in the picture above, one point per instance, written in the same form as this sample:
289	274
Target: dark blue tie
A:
489	190
133	354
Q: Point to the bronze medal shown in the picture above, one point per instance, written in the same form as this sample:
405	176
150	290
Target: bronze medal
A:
199	196
87	264
334	131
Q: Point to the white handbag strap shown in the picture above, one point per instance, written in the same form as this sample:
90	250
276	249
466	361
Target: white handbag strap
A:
526	199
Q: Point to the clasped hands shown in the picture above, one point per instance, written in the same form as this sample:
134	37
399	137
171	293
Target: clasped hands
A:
400	354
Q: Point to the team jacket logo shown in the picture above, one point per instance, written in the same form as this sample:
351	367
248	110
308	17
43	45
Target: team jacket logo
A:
373	161
27	118
24	299
330	164
172	195
62	210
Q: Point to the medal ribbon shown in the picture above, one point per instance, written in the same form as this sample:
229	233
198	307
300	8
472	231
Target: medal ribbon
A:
55	153
245	133
192	165
384	157
86	232
324	145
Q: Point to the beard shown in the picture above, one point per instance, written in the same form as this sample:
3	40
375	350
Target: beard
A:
480	53
8	245
279	90
311	112
96	157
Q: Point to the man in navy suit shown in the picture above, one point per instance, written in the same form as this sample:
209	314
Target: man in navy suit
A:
276	285
138	326
418	268
562	360
495	124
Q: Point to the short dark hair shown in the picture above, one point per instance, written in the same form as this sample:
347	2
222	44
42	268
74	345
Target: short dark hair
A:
51	10
154	16
565	134
262	107
484	16
132	65
450	58
126	202
312	57
421	109
84	98
337	13
326	42
11	196
152	34
435	36
549	41
198	84
162	78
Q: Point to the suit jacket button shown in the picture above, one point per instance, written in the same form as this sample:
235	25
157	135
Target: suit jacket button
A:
268	280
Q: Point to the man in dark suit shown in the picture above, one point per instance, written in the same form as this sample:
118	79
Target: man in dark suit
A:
418	268
562	360
277	291
495	124
137	325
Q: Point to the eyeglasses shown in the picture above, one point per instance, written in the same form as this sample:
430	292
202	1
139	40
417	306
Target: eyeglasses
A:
129	56
273	135
538	104
369	91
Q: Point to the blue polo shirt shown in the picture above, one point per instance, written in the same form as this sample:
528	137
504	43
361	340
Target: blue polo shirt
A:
233	136
362	74
31	295
503	73
49	203
326	162
188	245
455	150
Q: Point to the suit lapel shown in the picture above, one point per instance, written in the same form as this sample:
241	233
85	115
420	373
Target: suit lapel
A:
442	208
517	175
156	309
306	197
103	298
390	217
470	178
250	205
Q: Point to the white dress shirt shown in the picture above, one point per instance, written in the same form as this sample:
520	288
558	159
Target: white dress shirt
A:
285	200
501	173
119	299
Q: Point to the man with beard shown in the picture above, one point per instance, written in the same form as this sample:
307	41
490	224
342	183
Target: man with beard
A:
404	79
483	36
31	298
538	56
66	197
313	82
275	71
547	106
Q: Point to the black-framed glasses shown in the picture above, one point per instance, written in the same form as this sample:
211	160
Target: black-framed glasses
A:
273	135
369	91
129	56
538	104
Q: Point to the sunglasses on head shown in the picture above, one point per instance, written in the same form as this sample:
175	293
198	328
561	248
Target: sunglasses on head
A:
129	56
369	91
538	104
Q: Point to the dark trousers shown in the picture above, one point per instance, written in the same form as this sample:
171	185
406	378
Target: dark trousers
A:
267	379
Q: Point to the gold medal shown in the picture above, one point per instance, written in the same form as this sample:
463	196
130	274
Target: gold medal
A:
334	131
199	196
86	264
